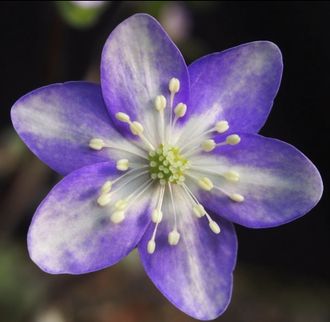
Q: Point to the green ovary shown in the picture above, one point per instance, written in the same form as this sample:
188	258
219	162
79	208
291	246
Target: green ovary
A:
167	164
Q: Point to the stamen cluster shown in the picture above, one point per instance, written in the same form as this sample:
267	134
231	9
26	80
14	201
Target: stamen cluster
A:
167	165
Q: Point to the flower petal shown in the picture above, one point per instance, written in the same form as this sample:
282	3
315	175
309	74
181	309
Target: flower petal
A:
58	121
71	233
196	274
138	61
278	182
237	85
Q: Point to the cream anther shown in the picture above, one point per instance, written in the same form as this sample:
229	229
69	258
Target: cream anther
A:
174	85
205	183
231	175
180	110
199	210
221	126
122	164
106	187
160	103
157	216
136	128
233	139
104	199
96	144
236	197
117	217
151	246
121	204
214	227
173	237
208	145
123	117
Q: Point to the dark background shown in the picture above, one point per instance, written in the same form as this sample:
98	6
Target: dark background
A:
282	273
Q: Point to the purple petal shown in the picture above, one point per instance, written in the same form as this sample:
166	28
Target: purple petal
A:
278	182
71	233
237	85
138	61
196	274
58	121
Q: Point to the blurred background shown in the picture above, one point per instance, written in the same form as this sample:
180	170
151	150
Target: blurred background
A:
282	274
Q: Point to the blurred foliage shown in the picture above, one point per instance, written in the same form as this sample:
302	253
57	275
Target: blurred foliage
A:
20	291
81	16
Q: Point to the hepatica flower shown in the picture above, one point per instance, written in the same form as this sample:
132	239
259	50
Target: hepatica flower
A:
163	157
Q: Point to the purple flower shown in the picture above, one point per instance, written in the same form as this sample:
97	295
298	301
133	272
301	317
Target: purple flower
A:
163	158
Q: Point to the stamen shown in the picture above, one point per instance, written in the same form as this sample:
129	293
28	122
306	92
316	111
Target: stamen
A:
237	197
117	217
173	237
205	183
123	117
174	85
96	144
136	194
128	173
233	196
106	187
121	204
136	128
180	110
130	180
157	216
214	227
106	195
208	145
160	104
173	205
122	165
231	175
192	197
200	211
221	126
104	199
151	246
233	139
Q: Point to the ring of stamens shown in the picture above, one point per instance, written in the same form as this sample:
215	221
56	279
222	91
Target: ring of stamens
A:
168	164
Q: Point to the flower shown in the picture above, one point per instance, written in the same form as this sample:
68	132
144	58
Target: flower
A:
163	158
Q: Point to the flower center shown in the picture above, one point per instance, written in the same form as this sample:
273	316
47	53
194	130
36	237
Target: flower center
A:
167	164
